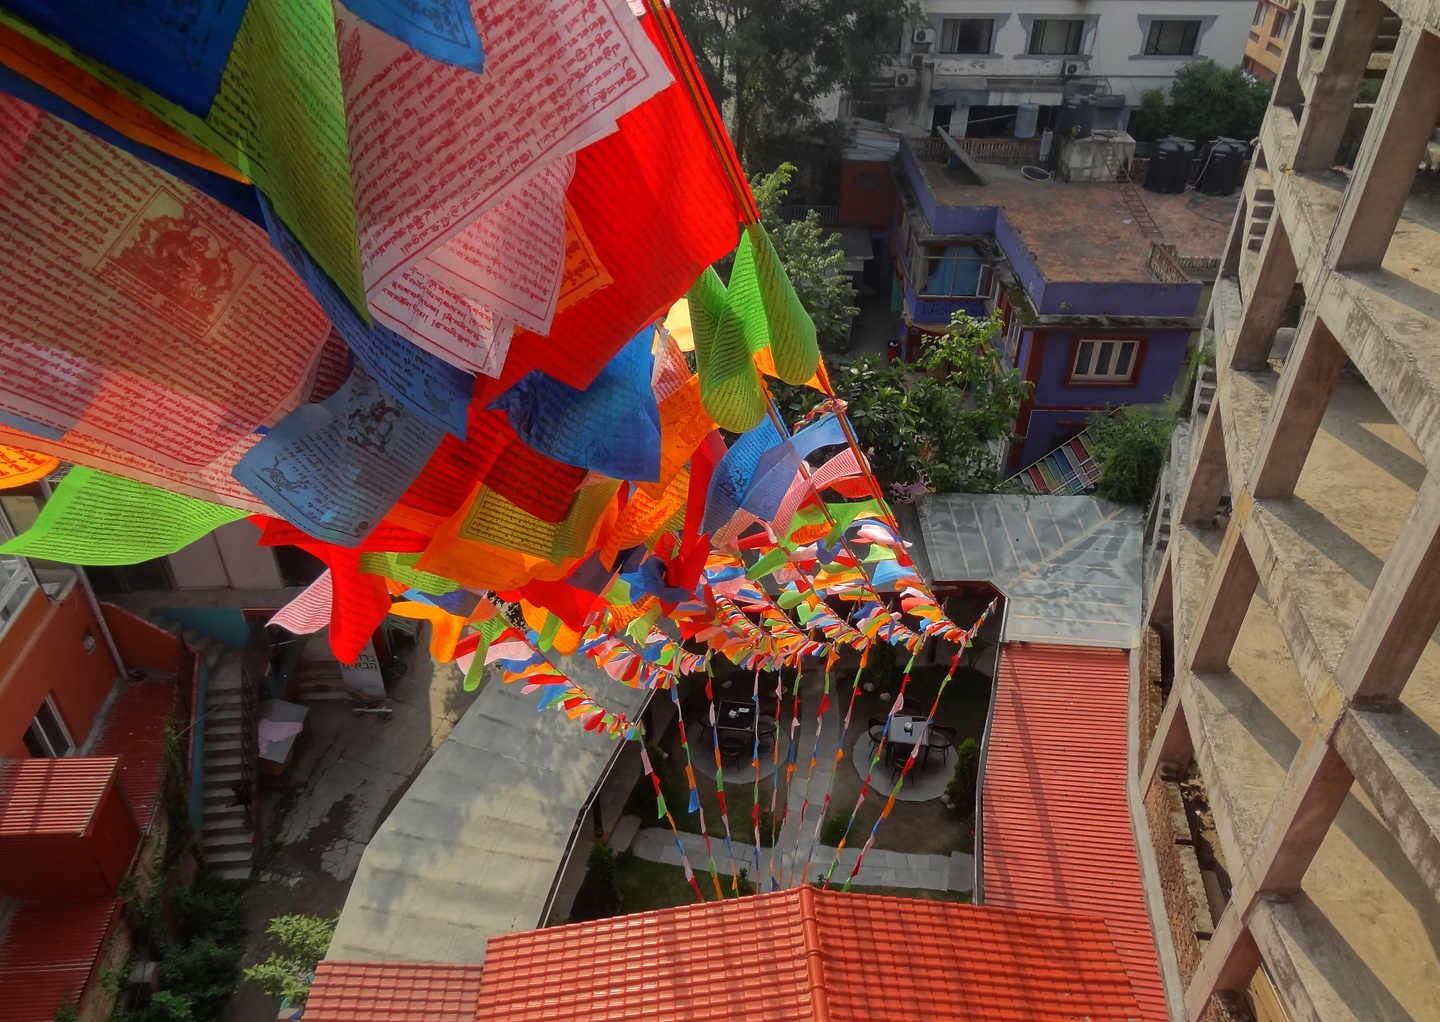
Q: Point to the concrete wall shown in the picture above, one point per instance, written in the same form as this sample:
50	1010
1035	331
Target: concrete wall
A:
226	559
43	652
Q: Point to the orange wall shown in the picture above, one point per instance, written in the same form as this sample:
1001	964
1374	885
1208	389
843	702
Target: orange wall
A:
141	643
866	207
43	651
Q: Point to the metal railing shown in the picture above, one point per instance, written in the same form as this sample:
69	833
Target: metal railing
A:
827	215
254	669
983	150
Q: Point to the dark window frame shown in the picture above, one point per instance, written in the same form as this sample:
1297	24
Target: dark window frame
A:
1074	37
960	23
1184	46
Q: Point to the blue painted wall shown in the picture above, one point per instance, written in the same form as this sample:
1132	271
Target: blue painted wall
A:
223	624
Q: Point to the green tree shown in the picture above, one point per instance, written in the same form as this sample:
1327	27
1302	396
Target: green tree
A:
1206	101
961	789
767	62
939	422
303	941
1130	449
812	257
599	894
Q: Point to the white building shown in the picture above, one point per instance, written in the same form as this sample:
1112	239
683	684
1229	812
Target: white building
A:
972	63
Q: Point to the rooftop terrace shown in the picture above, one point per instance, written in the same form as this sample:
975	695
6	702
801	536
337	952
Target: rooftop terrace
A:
1078	231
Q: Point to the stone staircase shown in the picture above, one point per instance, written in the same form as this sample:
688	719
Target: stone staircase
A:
227	832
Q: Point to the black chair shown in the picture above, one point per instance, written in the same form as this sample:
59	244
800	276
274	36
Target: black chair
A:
877	732
942	739
734	744
768	731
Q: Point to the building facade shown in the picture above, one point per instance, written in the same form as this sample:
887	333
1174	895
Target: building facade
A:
1270	28
1097	312
970	65
1296	755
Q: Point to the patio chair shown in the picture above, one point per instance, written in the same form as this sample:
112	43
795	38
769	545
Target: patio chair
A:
767	730
734	745
877	732
942	739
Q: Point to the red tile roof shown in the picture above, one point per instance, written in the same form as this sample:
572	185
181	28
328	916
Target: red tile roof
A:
807	955
47	954
398	992
135	732
1055	822
52	796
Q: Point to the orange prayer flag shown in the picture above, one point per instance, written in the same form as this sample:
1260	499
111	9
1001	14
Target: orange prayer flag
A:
19	467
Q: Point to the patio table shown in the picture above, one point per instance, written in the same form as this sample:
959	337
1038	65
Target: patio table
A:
732	715
903	734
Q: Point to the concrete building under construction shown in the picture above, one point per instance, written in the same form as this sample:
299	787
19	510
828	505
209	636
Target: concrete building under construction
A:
1291	784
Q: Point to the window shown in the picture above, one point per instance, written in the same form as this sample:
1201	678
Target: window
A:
955	271
1259	18
1172	38
47	736
966	35
1104	361
1282	26
1050	37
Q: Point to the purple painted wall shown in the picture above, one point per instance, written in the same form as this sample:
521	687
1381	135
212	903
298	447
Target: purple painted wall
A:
937	311
1057	404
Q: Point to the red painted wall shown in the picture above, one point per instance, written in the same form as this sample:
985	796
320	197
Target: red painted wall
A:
43	652
867	194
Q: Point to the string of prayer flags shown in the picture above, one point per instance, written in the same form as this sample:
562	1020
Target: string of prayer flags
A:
100	519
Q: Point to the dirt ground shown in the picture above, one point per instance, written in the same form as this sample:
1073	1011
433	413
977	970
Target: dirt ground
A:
353	772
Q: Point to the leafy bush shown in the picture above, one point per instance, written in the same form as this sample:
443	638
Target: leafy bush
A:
211	907
769	829
961	789
1130	449
833	829
743	887
303	941
168	1006
599	894
202	971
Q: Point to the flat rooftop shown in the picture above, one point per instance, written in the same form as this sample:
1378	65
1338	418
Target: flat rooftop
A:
1081	231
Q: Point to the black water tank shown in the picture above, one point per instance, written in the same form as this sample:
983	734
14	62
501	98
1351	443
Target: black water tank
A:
1221	173
1169	169
1078	112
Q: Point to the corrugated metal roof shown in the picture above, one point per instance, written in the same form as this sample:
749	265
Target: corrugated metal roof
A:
47	954
1069	566
53	796
804	954
473	848
393	992
1055	825
135	732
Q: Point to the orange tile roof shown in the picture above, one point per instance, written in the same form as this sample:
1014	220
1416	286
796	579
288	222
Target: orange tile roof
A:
135	731
392	992
808	955
1055	822
53	796
48	954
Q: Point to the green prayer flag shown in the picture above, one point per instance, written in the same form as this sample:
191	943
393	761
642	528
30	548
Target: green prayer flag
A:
99	519
776	317
401	568
477	668
661	811
730	386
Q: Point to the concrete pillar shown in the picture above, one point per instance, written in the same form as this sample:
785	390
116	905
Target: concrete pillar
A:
1300	402
1230	959
1266	303
1331	97
1162	597
1288	92
1227	601
1172	747
1235	246
1404	119
1209	472
1403	609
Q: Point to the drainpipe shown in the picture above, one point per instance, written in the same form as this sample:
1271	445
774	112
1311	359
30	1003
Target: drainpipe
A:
85	587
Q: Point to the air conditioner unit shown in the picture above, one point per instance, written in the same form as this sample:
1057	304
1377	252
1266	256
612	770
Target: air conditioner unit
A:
904	79
1074	68
925	35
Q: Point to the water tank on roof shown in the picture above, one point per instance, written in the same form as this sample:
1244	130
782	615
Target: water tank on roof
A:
1078	112
1221	173
1027	118
1169	169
